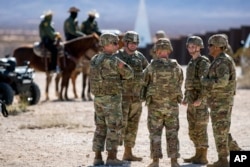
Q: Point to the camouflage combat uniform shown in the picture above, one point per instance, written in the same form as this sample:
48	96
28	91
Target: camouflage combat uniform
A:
131	102
222	91
107	102
163	79
197	116
221	83
106	84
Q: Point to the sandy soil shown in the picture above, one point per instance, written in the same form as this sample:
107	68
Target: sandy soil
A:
59	133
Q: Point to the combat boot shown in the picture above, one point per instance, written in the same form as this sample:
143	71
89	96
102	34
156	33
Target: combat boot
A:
222	162
128	155
98	159
112	159
174	162
233	145
195	157
202	159
155	163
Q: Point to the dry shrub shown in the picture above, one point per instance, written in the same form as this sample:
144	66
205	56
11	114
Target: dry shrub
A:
17	108
53	121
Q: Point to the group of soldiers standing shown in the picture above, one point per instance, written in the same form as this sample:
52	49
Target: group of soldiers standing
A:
122	79
50	37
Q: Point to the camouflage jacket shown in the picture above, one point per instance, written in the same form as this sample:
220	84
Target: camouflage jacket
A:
138	63
221	78
196	69
163	79
106	77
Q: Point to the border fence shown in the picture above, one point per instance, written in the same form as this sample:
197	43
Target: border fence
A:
235	36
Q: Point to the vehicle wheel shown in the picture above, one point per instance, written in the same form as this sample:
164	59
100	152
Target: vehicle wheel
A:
32	96
6	93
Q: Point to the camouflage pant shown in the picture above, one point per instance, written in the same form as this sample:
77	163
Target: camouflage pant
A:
131	108
108	121
198	118
163	114
220	114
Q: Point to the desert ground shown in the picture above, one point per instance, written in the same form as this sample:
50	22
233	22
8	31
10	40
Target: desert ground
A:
59	133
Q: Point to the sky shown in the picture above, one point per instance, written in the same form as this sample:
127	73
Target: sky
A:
175	17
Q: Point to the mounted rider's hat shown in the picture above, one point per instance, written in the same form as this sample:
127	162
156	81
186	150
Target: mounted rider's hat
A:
93	13
73	9
46	13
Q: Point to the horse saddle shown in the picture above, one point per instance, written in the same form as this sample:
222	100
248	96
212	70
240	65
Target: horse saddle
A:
41	51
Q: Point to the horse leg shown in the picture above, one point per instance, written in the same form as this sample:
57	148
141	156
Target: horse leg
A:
57	79
48	81
60	97
89	92
66	89
84	77
64	85
73	80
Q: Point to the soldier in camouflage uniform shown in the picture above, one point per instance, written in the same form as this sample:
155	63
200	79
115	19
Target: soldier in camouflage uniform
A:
90	25
132	104
106	74
163	80
195	97
221	83
71	29
159	34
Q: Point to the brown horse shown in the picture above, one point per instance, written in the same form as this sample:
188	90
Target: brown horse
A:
73	49
84	68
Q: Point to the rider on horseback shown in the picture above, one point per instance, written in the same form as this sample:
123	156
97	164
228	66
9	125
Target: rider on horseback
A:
90	25
49	38
71	29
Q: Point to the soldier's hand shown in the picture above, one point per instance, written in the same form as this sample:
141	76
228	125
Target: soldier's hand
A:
197	103
184	103
58	35
120	63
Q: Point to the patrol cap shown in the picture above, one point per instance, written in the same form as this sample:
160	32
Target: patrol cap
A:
219	40
163	43
73	9
160	34
196	40
108	38
46	14
131	36
94	13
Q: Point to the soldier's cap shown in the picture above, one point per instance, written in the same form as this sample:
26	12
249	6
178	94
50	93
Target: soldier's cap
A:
46	13
93	13
163	43
73	9
219	40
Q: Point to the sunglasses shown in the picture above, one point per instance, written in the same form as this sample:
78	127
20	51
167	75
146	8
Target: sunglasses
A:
135	43
114	43
210	45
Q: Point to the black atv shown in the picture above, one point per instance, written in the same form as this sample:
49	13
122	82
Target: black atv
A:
17	80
